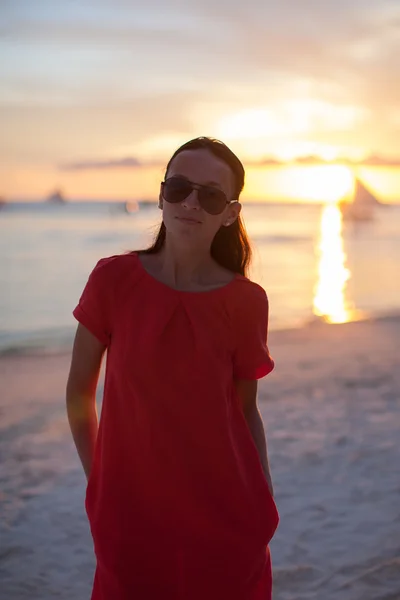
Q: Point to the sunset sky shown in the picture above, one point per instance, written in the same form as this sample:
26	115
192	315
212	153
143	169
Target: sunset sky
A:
95	95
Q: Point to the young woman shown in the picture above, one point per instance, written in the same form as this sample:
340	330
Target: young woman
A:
179	494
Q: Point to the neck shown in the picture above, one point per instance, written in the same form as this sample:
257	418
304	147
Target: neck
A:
184	264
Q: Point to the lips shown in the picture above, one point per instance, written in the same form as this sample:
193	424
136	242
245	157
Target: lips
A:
188	220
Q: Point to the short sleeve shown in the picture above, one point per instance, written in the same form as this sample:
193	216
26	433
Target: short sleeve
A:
94	307
252	359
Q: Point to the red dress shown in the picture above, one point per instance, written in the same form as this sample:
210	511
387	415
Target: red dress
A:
178	504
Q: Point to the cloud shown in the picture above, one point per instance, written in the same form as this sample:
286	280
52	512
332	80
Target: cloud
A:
90	165
309	160
121	72
381	161
109	129
114	36
354	44
370	161
306	160
269	161
134	163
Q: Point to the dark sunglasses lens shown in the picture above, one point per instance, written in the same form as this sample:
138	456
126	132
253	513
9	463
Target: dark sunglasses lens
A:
176	190
212	200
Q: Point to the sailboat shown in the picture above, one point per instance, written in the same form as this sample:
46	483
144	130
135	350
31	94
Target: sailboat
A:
131	206
362	205
56	197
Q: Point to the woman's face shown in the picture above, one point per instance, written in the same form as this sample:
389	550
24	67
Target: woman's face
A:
187	219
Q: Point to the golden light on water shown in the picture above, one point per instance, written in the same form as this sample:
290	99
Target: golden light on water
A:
330	298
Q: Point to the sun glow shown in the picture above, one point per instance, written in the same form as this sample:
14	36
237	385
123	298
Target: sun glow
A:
298	116
320	183
330	298
327	183
252	124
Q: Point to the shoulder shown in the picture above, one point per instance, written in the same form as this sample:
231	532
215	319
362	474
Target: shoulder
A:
249	292
247	302
111	269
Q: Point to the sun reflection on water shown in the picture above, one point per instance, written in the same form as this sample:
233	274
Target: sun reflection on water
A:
329	296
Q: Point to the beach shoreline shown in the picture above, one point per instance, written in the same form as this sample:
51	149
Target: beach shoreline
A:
61	345
331	409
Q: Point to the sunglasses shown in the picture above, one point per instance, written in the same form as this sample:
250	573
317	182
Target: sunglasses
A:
211	199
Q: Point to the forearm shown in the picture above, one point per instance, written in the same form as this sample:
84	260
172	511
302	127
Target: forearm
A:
83	422
256	427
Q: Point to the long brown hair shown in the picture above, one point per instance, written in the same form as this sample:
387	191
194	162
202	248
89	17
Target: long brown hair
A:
230	247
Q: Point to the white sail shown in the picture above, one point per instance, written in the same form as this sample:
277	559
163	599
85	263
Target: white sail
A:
56	197
362	205
363	196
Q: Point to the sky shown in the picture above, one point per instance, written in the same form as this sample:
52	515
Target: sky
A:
96	95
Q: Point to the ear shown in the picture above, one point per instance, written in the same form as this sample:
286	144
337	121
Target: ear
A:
233	213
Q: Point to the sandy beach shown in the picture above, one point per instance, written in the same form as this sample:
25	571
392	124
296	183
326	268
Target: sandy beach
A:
332	415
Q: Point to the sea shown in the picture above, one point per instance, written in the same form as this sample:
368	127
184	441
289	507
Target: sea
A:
314	265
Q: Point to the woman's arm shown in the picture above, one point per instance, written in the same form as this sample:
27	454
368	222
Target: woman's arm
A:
247	391
84	373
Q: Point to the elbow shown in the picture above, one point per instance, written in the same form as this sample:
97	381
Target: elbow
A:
252	413
81	386
73	392
250	407
80	401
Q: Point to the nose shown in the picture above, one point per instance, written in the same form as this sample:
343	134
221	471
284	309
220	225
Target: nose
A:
192	201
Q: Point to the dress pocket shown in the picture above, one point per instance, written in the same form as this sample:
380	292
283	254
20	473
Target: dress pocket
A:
269	515
90	495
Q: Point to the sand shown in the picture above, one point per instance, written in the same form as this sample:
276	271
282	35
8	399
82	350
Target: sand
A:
332	415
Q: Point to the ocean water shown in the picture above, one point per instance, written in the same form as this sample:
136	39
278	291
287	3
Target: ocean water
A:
311	263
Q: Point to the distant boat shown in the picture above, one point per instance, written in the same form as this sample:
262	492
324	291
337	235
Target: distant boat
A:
146	203
3	201
131	207
56	197
362	206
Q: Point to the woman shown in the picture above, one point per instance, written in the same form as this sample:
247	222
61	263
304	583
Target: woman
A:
179	495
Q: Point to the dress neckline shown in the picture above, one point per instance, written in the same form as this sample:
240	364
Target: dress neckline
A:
216	290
